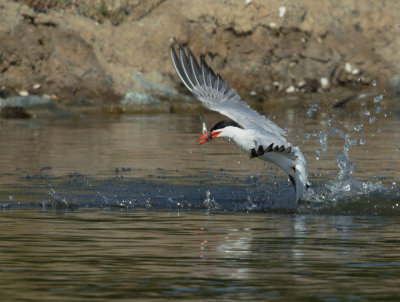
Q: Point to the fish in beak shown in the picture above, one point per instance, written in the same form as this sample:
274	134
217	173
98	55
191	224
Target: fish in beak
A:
208	136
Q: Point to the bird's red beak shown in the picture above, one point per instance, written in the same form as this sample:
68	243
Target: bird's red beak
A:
207	136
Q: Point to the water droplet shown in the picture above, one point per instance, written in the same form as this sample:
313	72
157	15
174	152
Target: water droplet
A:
323	140
362	141
367	113
378	98
378	109
373	83
357	128
317	153
312	108
372	119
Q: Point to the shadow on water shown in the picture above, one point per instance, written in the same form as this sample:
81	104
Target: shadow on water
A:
152	162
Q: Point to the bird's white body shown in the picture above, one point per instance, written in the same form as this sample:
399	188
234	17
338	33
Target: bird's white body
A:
248	139
251	131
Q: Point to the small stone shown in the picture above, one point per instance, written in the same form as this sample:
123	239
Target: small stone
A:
324	83
282	11
272	25
36	86
253	93
290	89
355	71
23	93
348	67
301	84
276	84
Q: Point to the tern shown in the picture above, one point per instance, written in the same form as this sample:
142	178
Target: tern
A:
251	131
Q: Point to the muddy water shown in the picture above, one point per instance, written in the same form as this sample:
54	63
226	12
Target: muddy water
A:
159	255
153	161
125	207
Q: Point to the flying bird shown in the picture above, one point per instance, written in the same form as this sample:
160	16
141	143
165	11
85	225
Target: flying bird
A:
251	131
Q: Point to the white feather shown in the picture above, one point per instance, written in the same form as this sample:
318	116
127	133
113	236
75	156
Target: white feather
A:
257	132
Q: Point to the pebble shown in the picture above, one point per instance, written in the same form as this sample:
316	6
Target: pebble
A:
347	67
301	84
36	86
290	89
324	83
355	71
23	93
282	11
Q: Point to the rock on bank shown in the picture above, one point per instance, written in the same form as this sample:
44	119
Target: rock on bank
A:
260	47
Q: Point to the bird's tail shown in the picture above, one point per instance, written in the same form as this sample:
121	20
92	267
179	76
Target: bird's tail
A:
301	175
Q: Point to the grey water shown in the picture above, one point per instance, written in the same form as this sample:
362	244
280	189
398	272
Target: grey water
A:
123	207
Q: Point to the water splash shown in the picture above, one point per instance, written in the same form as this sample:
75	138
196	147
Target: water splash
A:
378	98
323	140
344	186
313	108
210	202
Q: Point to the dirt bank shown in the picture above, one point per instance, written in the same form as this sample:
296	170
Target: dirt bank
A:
78	57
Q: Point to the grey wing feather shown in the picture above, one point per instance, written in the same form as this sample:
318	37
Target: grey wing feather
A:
217	95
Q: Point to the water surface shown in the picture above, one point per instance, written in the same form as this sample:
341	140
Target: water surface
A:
153	255
123	207
153	161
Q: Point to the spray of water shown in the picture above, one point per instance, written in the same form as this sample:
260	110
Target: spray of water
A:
344	186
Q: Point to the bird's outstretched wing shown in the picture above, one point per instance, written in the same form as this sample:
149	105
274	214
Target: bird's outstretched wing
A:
216	94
